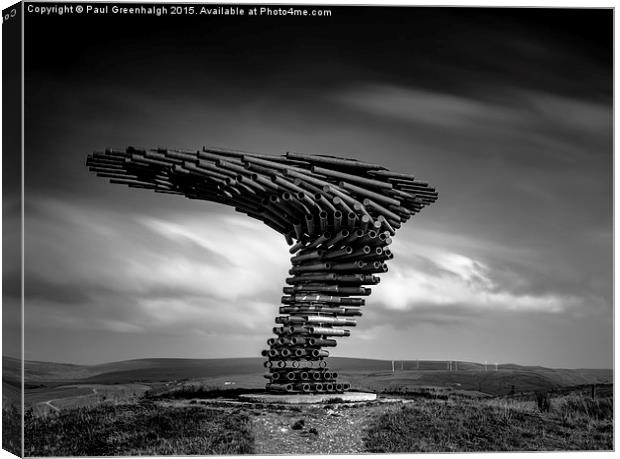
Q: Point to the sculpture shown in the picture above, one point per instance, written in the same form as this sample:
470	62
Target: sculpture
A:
337	215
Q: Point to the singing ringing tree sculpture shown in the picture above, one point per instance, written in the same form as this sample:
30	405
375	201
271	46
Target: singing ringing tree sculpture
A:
338	215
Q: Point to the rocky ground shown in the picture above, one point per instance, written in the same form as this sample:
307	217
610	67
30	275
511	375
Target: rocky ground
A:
335	429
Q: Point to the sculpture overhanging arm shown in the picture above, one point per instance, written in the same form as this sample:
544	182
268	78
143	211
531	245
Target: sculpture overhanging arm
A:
337	215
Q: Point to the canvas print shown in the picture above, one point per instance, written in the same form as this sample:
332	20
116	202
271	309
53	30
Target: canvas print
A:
253	229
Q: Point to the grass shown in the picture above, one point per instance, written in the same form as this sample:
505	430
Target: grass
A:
188	391
43	394
176	419
416	392
573	423
575	409
11	430
137	429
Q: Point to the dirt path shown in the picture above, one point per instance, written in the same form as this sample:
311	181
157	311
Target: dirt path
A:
55	408
332	429
49	403
304	429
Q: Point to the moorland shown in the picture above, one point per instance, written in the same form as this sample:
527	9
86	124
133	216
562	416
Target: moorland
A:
191	406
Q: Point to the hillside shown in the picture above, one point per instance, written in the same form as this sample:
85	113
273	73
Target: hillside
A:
366	373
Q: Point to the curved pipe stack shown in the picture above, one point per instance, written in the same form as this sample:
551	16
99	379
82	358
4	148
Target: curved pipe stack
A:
337	215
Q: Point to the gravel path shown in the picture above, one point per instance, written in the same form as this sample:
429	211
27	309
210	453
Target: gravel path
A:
304	429
332	429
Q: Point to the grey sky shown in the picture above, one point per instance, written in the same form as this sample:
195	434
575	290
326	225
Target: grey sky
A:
508	116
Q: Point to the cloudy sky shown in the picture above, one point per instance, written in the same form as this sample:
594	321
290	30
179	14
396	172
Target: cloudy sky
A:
508	113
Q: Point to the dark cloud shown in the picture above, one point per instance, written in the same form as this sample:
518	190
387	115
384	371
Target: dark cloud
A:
37	288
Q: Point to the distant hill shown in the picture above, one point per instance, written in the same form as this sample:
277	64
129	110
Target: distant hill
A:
422	372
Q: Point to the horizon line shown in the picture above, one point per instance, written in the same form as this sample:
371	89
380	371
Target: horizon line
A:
489	364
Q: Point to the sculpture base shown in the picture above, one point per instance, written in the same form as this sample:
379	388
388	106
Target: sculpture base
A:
297	399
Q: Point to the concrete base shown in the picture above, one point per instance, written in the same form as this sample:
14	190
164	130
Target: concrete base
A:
295	399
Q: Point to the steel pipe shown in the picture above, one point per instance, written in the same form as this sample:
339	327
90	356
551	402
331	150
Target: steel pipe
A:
337	215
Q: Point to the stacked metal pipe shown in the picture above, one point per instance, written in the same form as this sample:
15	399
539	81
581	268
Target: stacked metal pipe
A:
337	215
